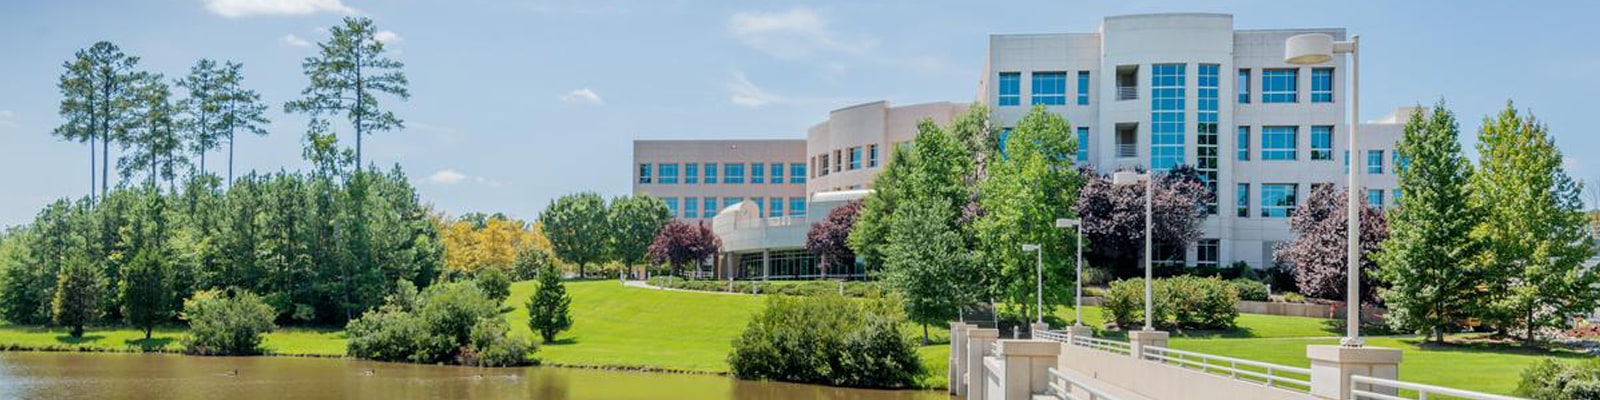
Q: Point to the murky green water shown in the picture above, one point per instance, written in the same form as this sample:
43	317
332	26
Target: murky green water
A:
26	375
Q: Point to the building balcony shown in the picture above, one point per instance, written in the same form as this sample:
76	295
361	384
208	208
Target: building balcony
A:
1127	93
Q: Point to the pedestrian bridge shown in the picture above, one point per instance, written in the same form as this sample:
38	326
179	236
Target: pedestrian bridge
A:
1072	364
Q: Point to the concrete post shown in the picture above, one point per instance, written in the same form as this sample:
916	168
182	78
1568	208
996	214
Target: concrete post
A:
958	352
978	341
766	264
1137	340
1080	330
1025	368
1331	367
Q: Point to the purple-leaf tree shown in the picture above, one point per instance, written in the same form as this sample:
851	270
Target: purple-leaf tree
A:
1318	253
1113	216
827	239
680	243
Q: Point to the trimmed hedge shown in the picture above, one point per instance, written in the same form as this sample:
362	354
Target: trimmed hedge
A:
827	339
1183	302
1250	289
812	288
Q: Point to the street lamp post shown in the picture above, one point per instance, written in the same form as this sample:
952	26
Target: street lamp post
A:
1077	303
1038	277
1319	48
1128	178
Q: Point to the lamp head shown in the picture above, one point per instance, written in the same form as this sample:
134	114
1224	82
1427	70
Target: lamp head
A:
1307	49
1030	247
1067	223
1127	178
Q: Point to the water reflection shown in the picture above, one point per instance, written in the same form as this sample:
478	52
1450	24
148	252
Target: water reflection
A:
157	376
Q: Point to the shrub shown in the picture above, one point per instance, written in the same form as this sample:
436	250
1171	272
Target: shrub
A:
448	322
1250	289
494	283
827	339
223	325
1095	276
1554	380
1183	302
811	288
530	260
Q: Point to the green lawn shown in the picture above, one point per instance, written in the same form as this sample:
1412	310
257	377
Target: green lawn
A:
620	326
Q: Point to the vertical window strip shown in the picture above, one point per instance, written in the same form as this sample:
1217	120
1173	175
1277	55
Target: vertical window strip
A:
1167	117
1322	143
1010	89
1322	85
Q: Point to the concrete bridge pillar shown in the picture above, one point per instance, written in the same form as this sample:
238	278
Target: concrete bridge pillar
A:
1332	365
1035	328
979	341
1023	368
1137	340
958	352
1080	330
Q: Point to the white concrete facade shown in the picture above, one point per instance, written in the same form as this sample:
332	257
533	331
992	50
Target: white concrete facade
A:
1117	105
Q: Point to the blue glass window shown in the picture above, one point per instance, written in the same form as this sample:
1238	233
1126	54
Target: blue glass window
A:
758	173
775	207
1375	198
1243	202
691	207
1347	161
672	205
669	173
855	158
1280	86
872	155
797	173
711	207
644	173
1050	88
1278	200
1400	163
1083	144
711	173
1397	196
1167	117
1083	88
1322	85
1005	133
1010	89
1244	143
777	173
691	173
797	206
1375	162
731	201
1278	142
1244	86
1322	142
733	173
1207	153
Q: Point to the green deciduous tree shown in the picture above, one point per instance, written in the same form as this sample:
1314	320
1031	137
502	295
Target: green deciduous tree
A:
77	295
99	96
925	264
633	222
226	325
577	228
146	290
1533	228
1023	195
549	309
1428	260
346	76
493	282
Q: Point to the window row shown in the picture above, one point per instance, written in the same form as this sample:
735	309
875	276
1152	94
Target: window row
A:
1047	88
840	160
731	173
707	207
1282	85
1282	143
1278	200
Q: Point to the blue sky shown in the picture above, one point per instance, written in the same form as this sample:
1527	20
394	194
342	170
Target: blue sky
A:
516	102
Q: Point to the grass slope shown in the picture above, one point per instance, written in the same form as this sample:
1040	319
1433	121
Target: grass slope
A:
618	326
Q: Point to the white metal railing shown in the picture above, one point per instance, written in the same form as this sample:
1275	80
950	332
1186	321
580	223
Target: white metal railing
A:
1066	388
1127	92
1052	336
1271	375
1363	387
1102	344
1127	150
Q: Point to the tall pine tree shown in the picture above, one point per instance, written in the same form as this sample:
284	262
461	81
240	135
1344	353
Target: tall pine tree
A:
345	78
1426	261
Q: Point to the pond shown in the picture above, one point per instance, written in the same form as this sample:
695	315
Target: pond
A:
69	376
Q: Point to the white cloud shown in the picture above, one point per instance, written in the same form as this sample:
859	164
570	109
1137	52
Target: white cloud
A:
387	37
247	8
747	94
582	96
447	177
294	41
797	33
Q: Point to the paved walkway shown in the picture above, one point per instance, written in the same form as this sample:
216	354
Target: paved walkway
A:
647	285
